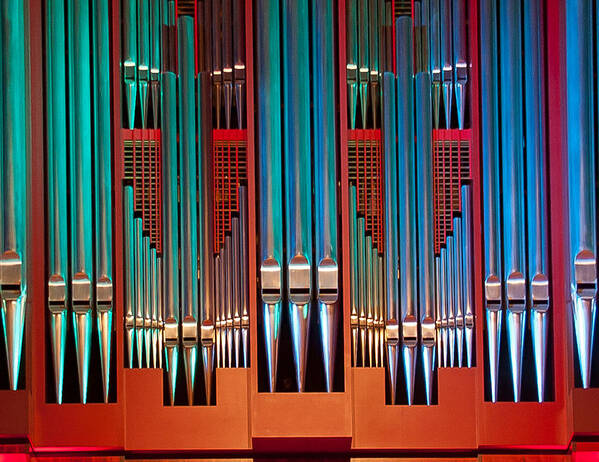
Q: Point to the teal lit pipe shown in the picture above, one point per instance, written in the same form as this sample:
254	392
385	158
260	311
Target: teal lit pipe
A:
143	57
129	62
269	140
155	45
103	189
536	181
270	174
353	258
512	156
489	94
426	252
391	232
139	289
81	205
325	180
351	28
56	149
580	150
15	165
130	262
406	190
435	58
373	44
189	218
170	223
205	233
298	179
363	57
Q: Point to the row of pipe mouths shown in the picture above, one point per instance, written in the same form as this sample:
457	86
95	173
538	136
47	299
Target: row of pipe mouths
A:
148	48
515	199
296	144
440	34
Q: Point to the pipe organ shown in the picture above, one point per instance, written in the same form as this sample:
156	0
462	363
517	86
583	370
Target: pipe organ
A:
275	226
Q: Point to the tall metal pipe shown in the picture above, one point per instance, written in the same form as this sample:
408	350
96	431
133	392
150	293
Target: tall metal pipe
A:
143	57
103	189
188	202
405	197
435	58
243	257
129	43
512	155
467	289
391	231
426	254
325	180
206	229
536	184
354	273
81	188
460	58
489	95
129	270
170	223
268	104
446	57
581	178
352	60
298	179
56	152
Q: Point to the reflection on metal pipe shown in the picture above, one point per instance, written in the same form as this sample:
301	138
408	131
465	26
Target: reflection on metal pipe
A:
189	217
512	155
352	61
129	270
354	272
426	269
56	152
406	190
435	58
243	256
143	57
129	41
446	57
325	181
205	230
235	276
460	62
467	295
490	180
81	188
269	174
298	180
103	190
391	232
170	217
581	178
537	274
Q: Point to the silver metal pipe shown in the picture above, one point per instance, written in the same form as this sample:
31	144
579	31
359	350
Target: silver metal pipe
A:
435	58
451	298
147	300
229	300
244	268
224	262
325	181
298	179
217	303
81	189
155	42
362	277
369	273
139	290
446	57
188	202
206	229
154	305
581	178
374	329
103	189
269	175
536	183
352	60
239	66
363	57
491	187
457	280
130	279
56	152
143	57
512	155
443	299
129	44
160	310
460	58
391	228
438	311
236	275
227	50
354	272
467	294
426	251
170	222
406	190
